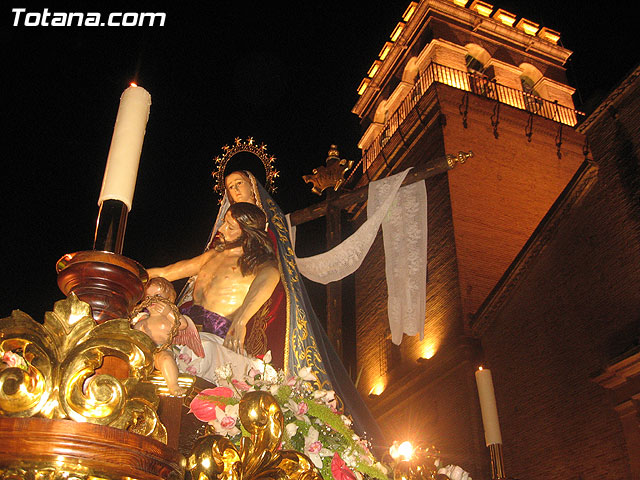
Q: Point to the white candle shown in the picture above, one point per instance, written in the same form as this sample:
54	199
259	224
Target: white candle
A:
120	174
488	407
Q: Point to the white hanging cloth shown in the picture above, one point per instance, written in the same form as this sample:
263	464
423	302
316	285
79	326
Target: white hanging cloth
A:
404	232
402	212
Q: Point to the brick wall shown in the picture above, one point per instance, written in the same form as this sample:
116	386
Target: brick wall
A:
443	310
576	309
500	196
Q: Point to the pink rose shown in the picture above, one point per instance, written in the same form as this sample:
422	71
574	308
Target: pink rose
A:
192	370
186	358
339	469
205	409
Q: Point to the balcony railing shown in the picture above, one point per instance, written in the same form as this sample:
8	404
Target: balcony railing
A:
470	82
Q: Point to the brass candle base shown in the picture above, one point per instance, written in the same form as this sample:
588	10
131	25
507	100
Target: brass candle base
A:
497	461
110	283
110	227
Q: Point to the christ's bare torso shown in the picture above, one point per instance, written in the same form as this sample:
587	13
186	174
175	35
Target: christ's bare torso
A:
220	286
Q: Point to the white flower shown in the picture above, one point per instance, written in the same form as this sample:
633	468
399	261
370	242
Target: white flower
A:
270	374
348	458
318	394
267	357
225	371
313	448
226	420
291	429
306	374
299	410
346	420
328	397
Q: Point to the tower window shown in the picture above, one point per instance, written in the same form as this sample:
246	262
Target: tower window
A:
532	99
473	64
478	80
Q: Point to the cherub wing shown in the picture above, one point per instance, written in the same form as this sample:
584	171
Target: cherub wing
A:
190	337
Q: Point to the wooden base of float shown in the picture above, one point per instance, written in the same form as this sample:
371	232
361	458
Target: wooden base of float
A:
38	448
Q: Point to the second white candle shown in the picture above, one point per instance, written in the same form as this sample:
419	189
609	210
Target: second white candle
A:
488	407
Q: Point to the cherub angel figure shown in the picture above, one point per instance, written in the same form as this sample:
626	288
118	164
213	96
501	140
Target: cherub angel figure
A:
159	318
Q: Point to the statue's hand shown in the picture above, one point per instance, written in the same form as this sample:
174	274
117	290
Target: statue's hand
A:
154	272
235	337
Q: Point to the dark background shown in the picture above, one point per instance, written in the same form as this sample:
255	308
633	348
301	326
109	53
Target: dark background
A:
284	73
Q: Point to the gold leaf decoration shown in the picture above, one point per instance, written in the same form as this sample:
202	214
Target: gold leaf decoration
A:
50	370
257	456
330	175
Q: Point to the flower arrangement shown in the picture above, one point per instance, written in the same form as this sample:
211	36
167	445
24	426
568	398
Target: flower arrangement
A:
313	424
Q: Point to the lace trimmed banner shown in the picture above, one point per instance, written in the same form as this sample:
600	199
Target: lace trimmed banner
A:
402	212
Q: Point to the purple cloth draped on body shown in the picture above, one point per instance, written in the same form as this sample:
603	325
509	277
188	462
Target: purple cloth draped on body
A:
211	322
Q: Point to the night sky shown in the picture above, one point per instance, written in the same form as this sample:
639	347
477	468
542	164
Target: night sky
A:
284	73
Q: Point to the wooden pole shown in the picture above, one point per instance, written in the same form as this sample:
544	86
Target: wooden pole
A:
334	289
348	199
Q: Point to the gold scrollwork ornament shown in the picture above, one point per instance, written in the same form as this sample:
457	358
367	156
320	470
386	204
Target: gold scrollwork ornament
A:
49	370
216	457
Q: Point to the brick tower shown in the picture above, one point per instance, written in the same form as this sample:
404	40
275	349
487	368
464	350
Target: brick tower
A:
459	76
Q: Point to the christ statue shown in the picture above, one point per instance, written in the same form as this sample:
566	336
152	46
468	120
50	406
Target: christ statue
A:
286	324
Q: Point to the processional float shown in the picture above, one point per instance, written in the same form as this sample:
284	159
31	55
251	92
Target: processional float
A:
79	398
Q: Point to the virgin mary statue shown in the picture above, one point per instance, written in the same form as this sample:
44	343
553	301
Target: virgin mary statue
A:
287	325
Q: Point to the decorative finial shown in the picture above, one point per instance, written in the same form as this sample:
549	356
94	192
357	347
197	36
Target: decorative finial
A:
460	157
330	176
